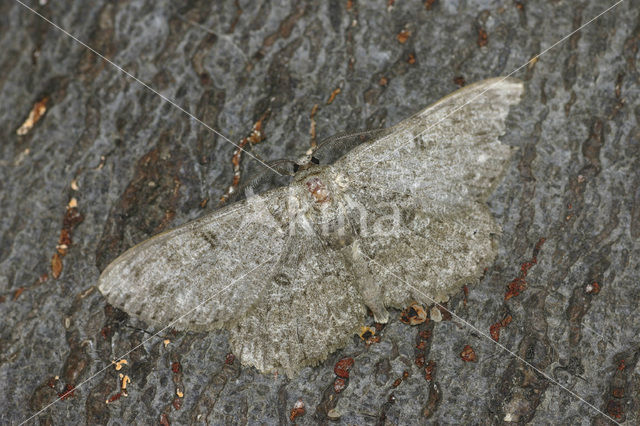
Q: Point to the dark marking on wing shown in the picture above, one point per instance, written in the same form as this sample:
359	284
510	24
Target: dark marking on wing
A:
210	238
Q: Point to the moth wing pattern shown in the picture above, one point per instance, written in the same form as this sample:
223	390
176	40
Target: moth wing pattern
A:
447	152
309	309
438	169
165	277
432	254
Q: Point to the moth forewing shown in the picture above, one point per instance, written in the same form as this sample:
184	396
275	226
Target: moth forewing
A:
177	277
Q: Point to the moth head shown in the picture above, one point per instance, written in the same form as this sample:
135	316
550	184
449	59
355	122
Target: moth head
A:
305	162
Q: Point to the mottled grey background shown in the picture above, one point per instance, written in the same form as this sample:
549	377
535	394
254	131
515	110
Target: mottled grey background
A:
142	166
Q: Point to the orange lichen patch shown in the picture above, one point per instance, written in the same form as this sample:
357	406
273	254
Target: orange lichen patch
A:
114	398
64	241
38	110
403	36
621	365
411	59
483	37
368	334
515	287
312	129
297	410
383	81
617	392
593	288
339	384
69	391
176	367
179	393
532	62
18	292
119	364
429	370
71	219
204	203
414	314
343	367
428	4
425	334
420	360
256	136
459	80
124	381
349	4
399	380
614	409
177	403
519	284
56	265
468	354
494	330
164	420
166	342
465	290
333	95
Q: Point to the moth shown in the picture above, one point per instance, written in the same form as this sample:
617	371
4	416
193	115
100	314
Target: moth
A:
291	273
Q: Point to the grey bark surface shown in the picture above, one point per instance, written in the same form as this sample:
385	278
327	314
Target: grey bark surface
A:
142	166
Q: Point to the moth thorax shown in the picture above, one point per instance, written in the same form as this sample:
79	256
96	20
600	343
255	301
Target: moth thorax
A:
318	190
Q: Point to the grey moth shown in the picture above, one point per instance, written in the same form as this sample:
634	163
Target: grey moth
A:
291	273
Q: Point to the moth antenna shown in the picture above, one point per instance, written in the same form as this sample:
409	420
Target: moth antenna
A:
283	166
145	331
344	140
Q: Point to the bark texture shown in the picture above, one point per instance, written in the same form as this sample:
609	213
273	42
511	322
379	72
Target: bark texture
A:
110	164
